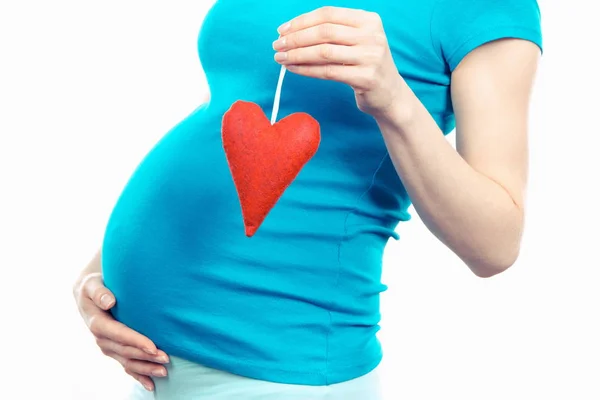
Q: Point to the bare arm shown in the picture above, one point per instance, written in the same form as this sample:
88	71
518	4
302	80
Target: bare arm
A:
473	199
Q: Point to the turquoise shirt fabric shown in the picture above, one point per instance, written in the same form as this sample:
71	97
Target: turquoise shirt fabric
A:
299	301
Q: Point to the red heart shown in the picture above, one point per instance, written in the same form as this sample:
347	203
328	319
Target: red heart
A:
264	159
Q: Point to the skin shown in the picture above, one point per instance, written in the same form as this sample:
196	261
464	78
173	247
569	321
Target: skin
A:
137	354
482	222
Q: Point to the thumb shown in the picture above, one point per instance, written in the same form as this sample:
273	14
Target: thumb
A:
94	288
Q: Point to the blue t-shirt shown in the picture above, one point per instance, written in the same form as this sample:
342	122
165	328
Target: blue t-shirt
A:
299	301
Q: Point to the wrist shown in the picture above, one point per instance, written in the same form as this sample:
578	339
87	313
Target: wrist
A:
401	113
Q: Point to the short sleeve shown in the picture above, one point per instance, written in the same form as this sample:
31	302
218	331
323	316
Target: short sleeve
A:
460	26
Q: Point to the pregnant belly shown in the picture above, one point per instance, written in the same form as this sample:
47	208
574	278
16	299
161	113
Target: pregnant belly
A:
179	204
185	275
165	202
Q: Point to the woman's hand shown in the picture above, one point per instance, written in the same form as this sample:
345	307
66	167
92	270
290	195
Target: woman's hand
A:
136	353
344	45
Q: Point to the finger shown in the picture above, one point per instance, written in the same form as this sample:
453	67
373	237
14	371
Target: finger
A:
109	346
140	367
319	34
335	15
93	287
352	75
103	325
323	54
146	382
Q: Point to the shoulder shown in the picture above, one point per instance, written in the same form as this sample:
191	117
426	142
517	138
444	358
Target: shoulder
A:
460	26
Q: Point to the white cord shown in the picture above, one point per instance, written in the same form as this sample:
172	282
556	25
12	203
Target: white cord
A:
277	95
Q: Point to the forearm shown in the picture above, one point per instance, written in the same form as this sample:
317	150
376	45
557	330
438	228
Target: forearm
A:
469	212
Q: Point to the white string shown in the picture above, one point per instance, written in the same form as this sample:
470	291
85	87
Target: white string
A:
277	95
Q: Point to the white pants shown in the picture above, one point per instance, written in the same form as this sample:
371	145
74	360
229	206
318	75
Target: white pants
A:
190	381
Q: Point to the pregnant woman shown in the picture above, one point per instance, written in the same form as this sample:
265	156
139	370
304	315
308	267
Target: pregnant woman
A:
193	308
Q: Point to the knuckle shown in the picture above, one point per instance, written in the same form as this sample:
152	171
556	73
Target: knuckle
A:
326	31
128	352
380	40
293	40
369	79
129	366
326	52
378	53
292	57
327	12
328	71
97	295
374	17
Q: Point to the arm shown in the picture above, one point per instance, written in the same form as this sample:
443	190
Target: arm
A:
473	199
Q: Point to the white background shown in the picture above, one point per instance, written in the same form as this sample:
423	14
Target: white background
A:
86	88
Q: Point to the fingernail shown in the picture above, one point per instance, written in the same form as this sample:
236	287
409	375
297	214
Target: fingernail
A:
159	372
150	351
280	56
284	28
147	387
162	358
279	44
106	300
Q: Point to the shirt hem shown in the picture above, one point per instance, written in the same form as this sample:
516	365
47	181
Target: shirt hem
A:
277	375
489	35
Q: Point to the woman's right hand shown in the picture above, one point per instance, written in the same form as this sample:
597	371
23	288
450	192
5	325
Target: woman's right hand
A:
136	353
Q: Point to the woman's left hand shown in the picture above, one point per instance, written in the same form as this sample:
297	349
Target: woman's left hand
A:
344	45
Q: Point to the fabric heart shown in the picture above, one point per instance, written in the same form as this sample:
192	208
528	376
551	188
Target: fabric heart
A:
264	159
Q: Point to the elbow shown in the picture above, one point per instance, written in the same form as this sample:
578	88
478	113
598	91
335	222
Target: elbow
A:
487	271
496	252
492	265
